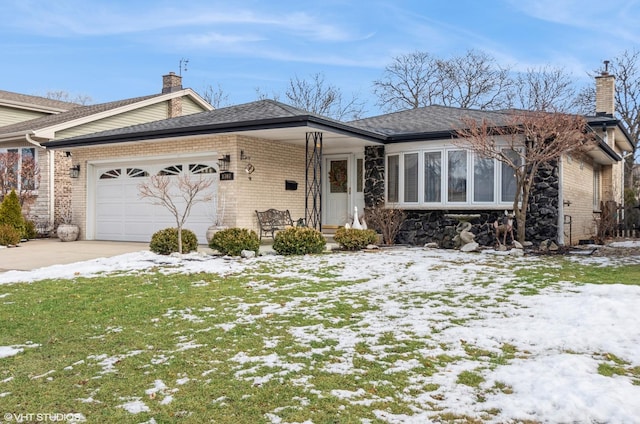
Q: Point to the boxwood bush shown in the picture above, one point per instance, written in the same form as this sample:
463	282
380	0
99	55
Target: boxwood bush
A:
8	235
165	242
11	212
354	239
299	241
29	231
232	241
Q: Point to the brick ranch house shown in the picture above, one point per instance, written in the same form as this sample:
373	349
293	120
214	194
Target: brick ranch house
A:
30	121
321	169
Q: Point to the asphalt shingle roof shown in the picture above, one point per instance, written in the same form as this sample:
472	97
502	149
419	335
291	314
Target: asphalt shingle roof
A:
261	110
76	113
426	119
36	100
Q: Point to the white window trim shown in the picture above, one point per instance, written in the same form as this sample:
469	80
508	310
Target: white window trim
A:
497	203
36	158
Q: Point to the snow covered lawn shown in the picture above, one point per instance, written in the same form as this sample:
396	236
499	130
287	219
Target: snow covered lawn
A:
398	336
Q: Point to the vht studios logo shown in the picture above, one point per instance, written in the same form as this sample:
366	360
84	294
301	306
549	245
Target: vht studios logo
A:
43	417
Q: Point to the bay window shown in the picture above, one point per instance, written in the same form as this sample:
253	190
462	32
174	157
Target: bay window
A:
449	177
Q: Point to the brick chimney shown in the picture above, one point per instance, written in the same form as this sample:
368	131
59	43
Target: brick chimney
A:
171	83
605	92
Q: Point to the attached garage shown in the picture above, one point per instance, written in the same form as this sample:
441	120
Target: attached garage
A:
120	213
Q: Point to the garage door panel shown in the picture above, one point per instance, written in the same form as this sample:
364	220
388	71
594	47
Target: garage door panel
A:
122	215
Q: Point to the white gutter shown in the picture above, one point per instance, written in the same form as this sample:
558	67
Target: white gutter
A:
27	136
52	200
560	203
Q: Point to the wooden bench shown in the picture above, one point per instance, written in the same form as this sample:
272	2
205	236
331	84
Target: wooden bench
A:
273	220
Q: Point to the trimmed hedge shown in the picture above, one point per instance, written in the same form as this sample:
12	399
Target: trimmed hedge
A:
165	242
232	241
353	239
8	235
299	241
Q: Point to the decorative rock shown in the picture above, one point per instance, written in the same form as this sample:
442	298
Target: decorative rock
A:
527	244
431	245
553	247
517	245
372	247
544	246
470	247
502	248
516	252
248	254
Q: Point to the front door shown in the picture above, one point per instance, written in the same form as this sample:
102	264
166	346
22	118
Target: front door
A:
342	189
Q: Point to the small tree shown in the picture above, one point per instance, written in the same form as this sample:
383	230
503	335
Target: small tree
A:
11	212
525	142
177	195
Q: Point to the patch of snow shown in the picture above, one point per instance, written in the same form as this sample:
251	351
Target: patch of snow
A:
134	406
6	351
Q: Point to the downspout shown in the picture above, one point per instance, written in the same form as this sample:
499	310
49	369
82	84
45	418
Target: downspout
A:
560	202
52	183
51	191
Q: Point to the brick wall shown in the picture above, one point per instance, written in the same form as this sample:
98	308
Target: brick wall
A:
578	190
274	162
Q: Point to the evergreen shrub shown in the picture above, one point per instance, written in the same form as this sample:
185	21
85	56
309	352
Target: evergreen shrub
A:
354	239
299	241
165	242
8	235
232	241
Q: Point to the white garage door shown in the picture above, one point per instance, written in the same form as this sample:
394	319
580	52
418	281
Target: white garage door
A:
122	215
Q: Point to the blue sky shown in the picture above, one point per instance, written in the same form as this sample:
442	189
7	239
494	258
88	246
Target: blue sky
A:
116	49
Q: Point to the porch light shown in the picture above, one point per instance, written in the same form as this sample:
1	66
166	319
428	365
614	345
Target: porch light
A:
223	162
74	171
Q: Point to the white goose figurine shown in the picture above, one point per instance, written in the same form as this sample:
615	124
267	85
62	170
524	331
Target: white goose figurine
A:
356	223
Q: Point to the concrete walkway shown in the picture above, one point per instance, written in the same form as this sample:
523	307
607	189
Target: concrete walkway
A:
45	252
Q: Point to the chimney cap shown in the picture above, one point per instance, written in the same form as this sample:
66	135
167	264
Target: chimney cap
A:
606	67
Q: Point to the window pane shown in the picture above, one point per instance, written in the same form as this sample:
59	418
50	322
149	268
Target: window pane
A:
28	168
338	176
432	176
411	177
508	177
360	175
596	189
457	184
393	168
483	180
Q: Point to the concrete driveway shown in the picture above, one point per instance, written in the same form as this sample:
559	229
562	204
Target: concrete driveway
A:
45	252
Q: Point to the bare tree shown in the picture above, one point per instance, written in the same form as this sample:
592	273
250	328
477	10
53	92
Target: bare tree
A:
177	195
544	88
216	97
314	95
411	81
20	173
525	142
475	80
262	95
64	96
418	79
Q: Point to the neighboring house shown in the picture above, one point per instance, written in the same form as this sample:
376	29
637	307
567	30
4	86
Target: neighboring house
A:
16	107
27	137
322	169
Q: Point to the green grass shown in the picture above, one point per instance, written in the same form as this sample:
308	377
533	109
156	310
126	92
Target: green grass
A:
279	340
544	276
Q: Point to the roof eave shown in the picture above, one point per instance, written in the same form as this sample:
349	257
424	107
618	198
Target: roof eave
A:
261	124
